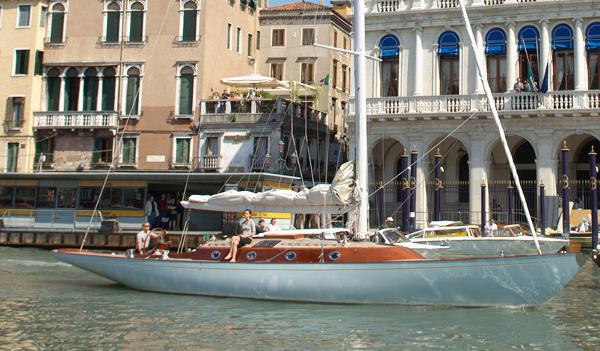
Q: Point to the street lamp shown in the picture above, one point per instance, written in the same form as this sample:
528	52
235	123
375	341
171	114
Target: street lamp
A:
280	163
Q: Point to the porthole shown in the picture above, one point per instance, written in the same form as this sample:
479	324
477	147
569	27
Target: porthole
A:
290	256
215	254
251	255
334	255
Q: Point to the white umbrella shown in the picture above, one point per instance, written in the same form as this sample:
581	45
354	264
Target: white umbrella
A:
252	81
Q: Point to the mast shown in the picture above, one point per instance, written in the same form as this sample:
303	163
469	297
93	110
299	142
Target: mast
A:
362	220
488	93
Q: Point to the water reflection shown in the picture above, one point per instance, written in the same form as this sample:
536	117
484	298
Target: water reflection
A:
50	305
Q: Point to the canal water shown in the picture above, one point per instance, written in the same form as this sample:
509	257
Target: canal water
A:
49	305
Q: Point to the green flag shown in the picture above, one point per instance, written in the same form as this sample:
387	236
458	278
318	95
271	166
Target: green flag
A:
530	79
325	81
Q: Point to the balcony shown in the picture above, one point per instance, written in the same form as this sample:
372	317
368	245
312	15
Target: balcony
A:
253	111
75	120
210	163
258	163
387	6
186	40
558	103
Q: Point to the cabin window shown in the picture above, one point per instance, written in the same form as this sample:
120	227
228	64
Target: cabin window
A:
133	198
46	197
67	197
88	197
7	195
25	197
112	199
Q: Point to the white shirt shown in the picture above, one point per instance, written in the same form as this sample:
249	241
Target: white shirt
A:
141	236
273	228
491	229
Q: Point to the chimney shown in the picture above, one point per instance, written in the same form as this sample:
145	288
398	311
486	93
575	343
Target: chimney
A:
322	2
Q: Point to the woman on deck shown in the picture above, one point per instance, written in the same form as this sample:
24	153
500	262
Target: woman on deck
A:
247	230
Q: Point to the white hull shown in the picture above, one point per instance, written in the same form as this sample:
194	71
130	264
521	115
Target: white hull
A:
514	281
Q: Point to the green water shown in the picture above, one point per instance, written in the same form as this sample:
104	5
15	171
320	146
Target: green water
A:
49	305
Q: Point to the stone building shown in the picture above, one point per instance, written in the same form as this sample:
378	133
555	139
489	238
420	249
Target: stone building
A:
425	93
23	30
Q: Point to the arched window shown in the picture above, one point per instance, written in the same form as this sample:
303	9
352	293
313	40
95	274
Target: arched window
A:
186	91
133	96
448	51
564	60
112	22
189	21
53	89
72	82
562	37
389	53
90	89
136	23
529	38
389	46
57	23
592	44
495	49
108	89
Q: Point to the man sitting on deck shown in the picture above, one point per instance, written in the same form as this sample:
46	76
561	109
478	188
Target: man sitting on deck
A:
142	240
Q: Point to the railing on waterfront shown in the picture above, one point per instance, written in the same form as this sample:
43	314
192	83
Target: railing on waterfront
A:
75	119
69	220
419	106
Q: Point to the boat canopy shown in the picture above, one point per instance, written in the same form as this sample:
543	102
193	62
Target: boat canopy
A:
331	198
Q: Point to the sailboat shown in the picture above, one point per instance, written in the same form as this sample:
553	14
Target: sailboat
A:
346	270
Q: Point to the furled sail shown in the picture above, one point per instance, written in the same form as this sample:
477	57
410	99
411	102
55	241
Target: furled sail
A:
323	198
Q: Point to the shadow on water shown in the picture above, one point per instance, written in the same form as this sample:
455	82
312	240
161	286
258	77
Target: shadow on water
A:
50	305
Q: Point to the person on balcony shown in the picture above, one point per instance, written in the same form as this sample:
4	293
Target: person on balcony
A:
518	87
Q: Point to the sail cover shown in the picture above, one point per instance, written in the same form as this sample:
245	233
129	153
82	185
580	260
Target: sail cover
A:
324	198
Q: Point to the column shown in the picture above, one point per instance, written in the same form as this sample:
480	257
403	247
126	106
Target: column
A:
61	95
511	56
477	173
400	76
579	57
547	160
80	99
418	73
423	175
481	46
44	105
544	59
100	90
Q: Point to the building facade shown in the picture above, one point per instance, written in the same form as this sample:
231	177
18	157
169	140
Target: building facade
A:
425	94
119	75
287	53
23	30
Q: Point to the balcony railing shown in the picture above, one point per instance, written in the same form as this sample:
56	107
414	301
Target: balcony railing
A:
257	163
422	106
210	163
254	110
75	119
386	6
